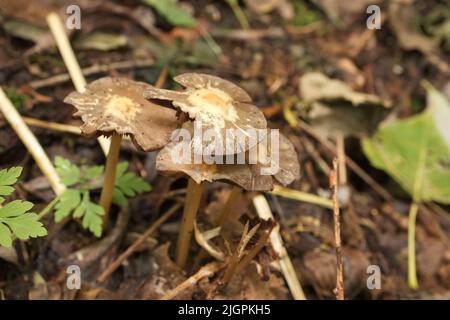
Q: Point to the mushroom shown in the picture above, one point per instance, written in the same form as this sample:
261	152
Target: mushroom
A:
116	107
224	109
177	158
219	105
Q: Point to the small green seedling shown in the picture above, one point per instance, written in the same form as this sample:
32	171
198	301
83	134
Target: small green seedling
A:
15	219
76	200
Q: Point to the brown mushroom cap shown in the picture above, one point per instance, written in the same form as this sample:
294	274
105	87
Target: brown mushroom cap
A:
219	105
117	106
289	166
246	176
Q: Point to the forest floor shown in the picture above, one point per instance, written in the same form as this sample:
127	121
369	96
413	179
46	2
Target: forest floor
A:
269	60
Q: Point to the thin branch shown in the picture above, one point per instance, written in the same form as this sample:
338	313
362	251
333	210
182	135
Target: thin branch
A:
205	272
339	290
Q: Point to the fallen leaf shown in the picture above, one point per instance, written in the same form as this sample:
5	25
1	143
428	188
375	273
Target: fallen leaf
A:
414	152
335	108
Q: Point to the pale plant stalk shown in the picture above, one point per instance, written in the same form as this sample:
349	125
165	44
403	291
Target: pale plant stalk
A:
224	215
192	203
263	209
412	274
62	41
302	196
31	143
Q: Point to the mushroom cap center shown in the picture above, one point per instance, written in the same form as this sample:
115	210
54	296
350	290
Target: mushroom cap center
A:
121	107
214	102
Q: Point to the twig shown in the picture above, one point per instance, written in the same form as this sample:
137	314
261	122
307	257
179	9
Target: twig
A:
131	249
205	272
264	212
55	126
339	290
102	68
31	143
57	28
302	196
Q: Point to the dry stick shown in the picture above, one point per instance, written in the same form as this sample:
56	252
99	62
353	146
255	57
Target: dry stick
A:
61	127
29	140
339	290
264	212
55	126
193	197
62	41
205	272
94	69
110	176
131	249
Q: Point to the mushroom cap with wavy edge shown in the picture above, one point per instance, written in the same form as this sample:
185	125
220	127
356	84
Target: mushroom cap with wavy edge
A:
246	176
217	104
117	106
288	164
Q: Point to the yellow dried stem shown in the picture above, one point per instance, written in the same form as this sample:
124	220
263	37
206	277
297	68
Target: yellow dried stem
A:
31	143
62	41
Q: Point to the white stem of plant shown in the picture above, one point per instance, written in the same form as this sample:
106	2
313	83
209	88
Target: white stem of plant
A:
62	41
31	143
263	209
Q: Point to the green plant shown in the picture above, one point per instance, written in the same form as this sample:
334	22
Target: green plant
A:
172	12
80	181
416	153
15	218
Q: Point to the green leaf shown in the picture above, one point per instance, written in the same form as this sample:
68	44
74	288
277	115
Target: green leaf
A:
68	201
91	173
172	12
7	179
92	219
415	154
127	185
67	171
91	214
16	220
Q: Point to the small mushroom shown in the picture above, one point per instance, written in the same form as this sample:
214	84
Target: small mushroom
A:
116	107
219	105
178	158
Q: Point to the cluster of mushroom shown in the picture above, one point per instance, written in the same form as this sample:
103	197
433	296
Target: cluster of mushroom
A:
118	106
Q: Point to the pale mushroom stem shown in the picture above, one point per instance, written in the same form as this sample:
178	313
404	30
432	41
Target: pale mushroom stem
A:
234	196
193	197
110	176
